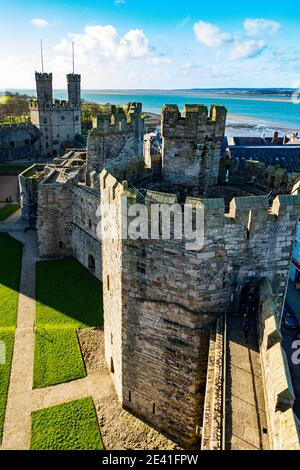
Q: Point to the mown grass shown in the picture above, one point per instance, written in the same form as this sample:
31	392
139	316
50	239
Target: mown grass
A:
68	297
10	273
57	357
8	210
13	169
71	426
6	352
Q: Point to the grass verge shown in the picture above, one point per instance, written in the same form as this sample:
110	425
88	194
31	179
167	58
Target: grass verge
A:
71	426
8	210
13	169
10	273
6	352
57	357
68	297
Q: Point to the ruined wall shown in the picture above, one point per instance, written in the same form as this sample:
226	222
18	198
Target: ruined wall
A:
116	136
86	245
163	298
19	142
283	425
192	145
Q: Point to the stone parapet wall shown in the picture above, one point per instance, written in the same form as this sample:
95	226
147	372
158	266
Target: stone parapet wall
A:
283	425
212	415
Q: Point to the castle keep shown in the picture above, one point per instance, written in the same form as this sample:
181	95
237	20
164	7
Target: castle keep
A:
59	121
161	300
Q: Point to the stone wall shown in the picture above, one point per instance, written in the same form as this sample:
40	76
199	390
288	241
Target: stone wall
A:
117	136
163	299
55	217
19	142
283	425
85	242
192	145
212	416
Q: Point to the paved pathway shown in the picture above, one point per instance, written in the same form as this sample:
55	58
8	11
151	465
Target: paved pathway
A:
22	399
246	423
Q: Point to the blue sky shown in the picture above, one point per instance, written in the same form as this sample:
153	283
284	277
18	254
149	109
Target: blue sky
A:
152	44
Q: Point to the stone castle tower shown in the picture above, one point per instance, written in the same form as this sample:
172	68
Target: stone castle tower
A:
192	145
160	298
58	120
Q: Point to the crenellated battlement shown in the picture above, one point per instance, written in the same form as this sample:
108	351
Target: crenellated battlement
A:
43	76
116	119
56	105
73	77
194	123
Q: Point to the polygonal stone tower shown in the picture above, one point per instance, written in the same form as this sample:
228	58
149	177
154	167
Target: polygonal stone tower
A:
192	145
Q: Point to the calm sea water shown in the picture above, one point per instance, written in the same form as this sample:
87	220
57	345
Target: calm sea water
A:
265	113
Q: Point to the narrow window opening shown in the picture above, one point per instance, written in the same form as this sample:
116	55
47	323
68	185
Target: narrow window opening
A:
91	263
107	282
111	339
129	395
60	245
153	408
112	368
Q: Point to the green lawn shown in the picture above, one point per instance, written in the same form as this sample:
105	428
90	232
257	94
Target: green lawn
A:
10	272
71	426
68	297
7	210
57	357
13	169
6	351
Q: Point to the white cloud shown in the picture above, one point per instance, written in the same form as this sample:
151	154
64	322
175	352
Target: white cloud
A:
39	22
210	35
261	27
246	49
119	2
106	42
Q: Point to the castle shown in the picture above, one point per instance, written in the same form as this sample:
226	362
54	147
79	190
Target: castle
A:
59	121
160	299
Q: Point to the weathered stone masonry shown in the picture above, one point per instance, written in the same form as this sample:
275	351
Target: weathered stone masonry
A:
192	145
160	300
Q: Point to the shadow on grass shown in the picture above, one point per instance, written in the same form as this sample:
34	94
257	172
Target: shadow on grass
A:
67	294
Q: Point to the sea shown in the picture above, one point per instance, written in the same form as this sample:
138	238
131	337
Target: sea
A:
249	112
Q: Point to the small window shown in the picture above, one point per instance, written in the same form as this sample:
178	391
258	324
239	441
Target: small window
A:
77	118
91	263
107	282
153	408
27	142
90	223
60	245
12	144
141	268
111	339
63	118
112	367
45	121
129	395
